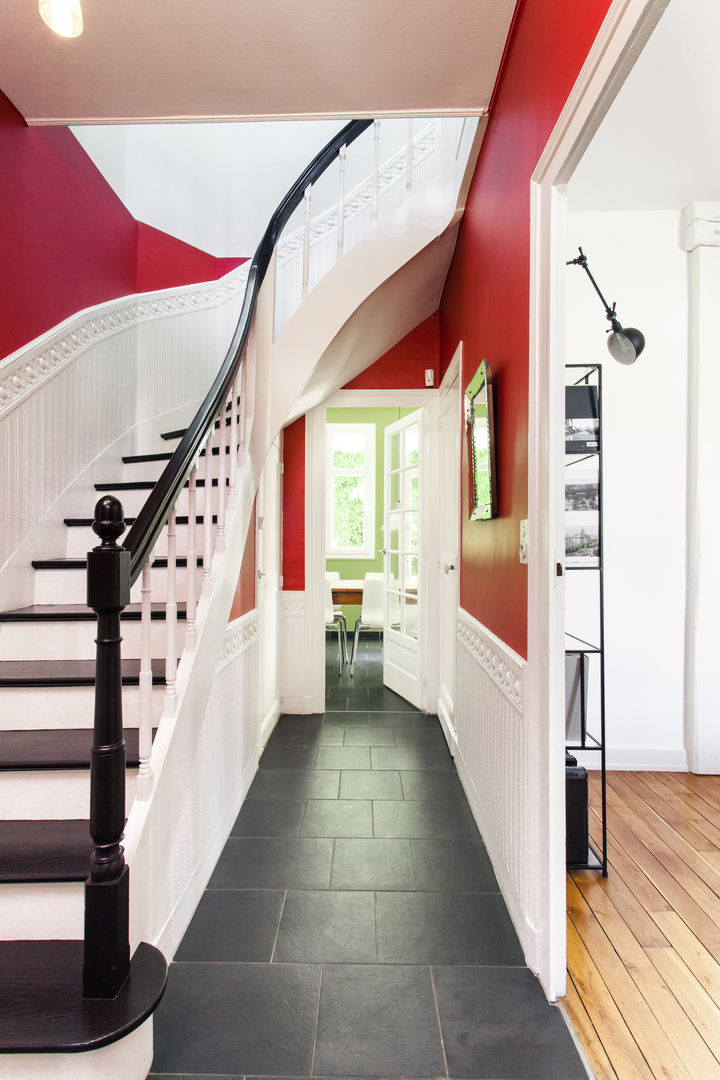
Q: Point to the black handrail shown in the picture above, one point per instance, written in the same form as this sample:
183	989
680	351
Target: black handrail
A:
150	521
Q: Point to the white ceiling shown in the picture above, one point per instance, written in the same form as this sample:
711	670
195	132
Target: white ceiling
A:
658	146
254	59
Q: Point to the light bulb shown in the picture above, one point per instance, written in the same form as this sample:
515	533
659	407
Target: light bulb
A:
62	16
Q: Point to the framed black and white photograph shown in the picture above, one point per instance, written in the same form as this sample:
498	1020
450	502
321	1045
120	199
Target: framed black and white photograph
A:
582	541
582	491
582	420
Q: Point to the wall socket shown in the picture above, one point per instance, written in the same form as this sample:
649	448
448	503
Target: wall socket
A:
523	549
429	377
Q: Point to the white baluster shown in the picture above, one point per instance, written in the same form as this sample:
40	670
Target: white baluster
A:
243	412
222	473
409	158
234	439
376	173
145	685
341	205
207	519
171	620
191	588
306	243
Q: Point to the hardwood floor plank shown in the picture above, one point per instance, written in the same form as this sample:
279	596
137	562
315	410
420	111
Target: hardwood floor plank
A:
612	893
644	944
694	999
703	881
648	1032
636	880
704	966
591	1041
680	816
607	1019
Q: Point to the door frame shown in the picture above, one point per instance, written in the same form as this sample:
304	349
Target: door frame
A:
627	26
315	529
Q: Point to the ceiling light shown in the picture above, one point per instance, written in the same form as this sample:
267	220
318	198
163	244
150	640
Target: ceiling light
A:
62	16
625	345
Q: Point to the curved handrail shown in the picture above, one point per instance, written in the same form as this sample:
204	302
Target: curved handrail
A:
149	523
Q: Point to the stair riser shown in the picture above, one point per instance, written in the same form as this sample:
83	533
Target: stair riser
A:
42	911
60	707
76	640
51	793
81	540
70	586
133	500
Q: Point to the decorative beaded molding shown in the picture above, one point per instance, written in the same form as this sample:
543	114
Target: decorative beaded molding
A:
239	635
25	371
361	198
292	604
504	666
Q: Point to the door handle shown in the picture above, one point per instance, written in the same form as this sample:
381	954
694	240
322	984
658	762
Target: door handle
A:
449	566
261	574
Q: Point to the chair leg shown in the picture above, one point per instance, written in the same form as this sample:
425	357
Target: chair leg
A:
340	648
343	623
355	644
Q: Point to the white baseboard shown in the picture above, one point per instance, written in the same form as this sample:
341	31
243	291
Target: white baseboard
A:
637	759
268	723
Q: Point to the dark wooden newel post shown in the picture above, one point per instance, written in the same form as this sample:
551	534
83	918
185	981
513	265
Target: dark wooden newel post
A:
107	943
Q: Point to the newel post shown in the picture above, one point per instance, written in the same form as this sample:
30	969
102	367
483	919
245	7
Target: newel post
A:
107	944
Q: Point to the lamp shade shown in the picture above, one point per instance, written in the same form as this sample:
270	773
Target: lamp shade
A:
62	16
625	345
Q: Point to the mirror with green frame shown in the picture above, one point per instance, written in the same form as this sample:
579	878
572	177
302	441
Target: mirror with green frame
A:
481	444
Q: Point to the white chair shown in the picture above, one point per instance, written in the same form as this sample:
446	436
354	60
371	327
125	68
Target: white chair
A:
333	576
372	614
335	620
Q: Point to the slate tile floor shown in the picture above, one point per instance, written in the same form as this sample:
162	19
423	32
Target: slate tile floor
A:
353	926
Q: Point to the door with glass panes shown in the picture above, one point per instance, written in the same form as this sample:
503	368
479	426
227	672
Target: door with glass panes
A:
403	586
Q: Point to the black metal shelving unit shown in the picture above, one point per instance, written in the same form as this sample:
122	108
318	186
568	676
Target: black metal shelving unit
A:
584	554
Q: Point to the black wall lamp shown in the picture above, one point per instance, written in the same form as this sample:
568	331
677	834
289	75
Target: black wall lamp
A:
625	345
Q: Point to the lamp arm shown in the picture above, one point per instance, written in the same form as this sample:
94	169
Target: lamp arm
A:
581	260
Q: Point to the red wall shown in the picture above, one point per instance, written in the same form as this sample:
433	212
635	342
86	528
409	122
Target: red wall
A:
244	599
486	299
164	262
293	506
403	366
66	240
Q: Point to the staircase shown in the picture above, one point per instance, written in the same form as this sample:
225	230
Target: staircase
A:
183	790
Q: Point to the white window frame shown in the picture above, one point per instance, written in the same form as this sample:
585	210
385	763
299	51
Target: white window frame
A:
368	549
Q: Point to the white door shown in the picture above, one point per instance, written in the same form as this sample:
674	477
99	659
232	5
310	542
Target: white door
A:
449	517
402	532
268	570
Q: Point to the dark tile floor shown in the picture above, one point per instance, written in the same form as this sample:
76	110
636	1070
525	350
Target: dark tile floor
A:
353	926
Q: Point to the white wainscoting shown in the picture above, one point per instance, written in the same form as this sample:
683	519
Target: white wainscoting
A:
498	769
223	766
72	392
294	654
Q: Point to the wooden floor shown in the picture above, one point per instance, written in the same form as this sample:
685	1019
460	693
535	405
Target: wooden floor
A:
644	943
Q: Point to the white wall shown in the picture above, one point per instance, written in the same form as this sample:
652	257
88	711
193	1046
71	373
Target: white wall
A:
216	185
637	260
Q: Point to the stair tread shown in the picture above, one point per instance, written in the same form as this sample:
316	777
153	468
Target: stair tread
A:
69	672
139	459
68	563
45	850
145	485
42	1009
66	748
79	613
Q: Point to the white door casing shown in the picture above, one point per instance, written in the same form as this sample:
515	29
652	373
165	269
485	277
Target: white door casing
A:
268	572
449	523
403	495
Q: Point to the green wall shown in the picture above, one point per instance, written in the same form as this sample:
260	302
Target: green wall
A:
358	568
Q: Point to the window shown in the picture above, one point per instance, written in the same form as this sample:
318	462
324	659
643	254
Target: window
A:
350	512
